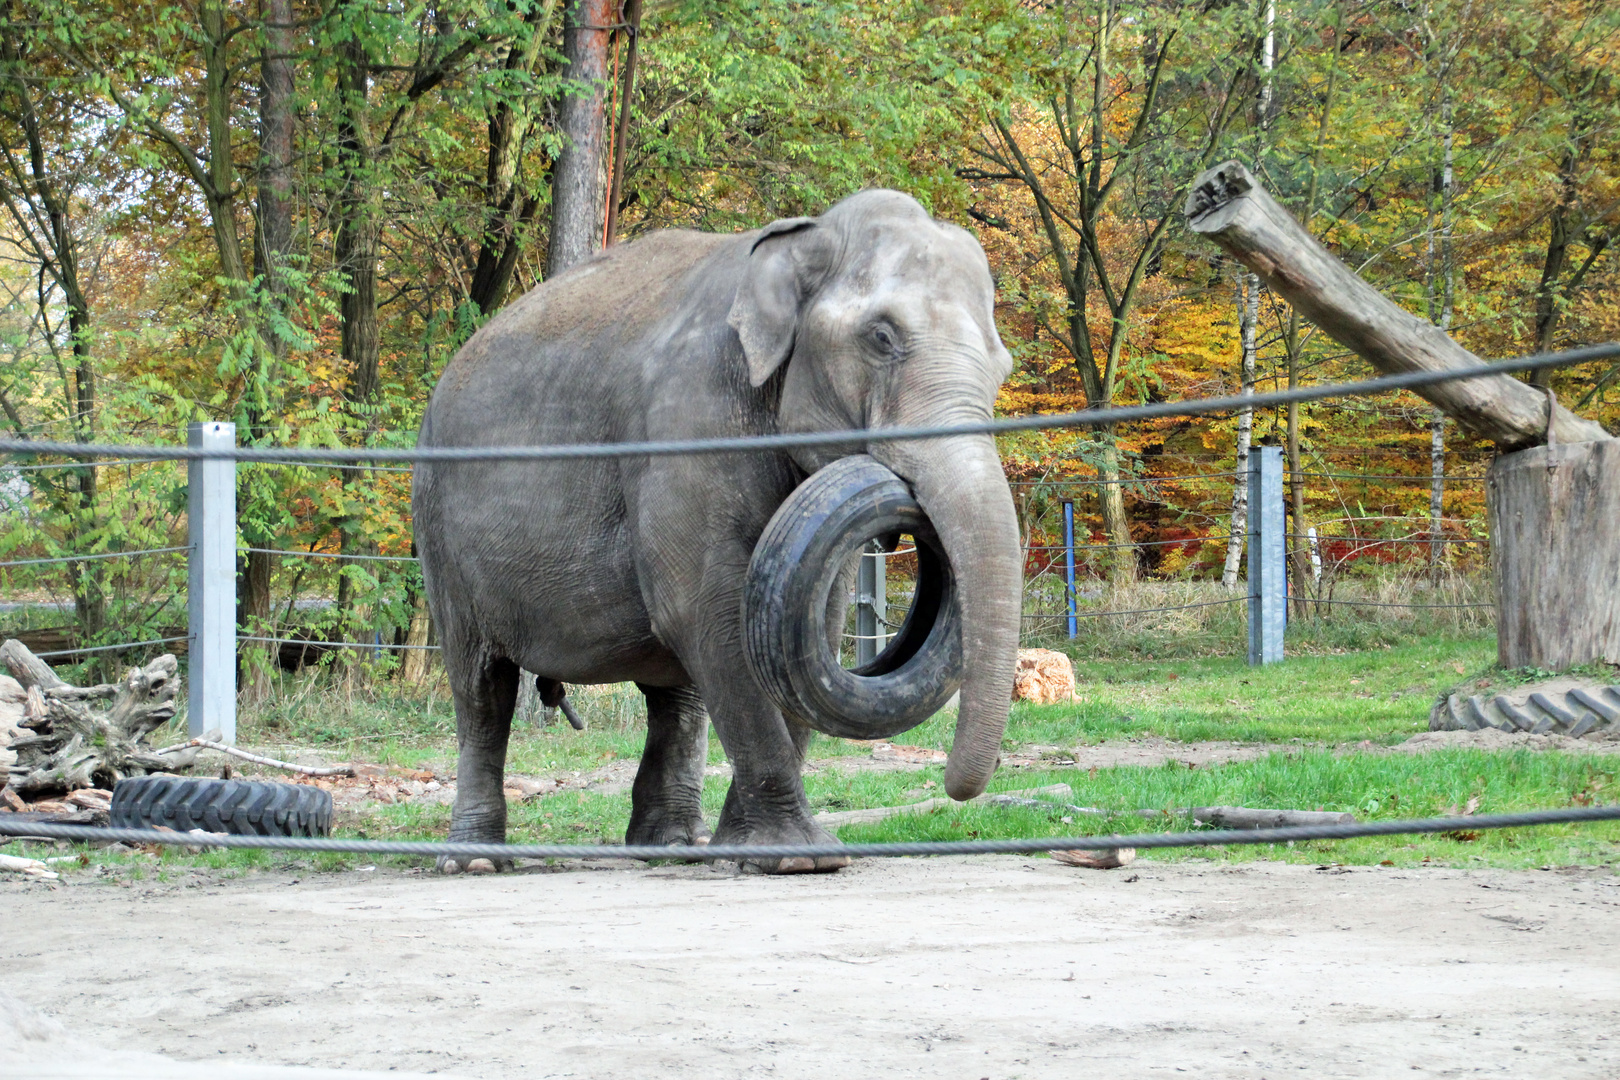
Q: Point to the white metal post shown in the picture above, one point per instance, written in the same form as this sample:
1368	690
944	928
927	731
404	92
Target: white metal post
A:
871	608
211	591
1268	580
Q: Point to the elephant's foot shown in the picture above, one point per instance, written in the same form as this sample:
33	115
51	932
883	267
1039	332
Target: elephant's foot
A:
450	864
794	827
473	827
667	829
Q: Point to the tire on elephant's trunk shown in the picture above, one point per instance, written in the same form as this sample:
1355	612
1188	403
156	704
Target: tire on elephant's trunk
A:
795	566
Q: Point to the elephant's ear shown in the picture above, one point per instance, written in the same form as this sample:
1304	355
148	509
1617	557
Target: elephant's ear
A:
785	264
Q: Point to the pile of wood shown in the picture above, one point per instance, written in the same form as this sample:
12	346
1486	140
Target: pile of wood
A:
73	743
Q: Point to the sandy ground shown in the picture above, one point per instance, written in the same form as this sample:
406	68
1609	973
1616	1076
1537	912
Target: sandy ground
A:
958	967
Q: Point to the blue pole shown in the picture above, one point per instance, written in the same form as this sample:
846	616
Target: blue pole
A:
1068	564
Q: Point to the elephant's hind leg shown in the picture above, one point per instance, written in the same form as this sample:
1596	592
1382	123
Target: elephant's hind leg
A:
485	692
667	799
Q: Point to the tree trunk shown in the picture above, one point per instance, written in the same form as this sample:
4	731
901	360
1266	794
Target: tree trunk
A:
1248	316
577	185
1228	205
416	663
621	134
357	249
1120	556
1552	512
507	209
272	245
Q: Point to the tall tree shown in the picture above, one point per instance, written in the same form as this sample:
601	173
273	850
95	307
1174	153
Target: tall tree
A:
1108	200
54	146
578	187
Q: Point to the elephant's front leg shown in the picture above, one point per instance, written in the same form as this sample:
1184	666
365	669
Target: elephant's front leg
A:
766	803
666	803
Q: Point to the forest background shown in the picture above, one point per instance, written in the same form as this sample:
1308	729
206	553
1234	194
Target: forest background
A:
289	215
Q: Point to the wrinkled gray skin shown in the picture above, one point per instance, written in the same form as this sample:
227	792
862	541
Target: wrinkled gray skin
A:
598	571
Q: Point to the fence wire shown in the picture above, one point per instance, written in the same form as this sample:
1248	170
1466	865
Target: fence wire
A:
87	558
852	438
335	644
740	852
112	648
328	555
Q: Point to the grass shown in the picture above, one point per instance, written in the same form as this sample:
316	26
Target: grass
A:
1382	695
1307	704
1372	786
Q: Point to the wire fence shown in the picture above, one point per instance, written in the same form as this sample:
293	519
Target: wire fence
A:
852	439
1040	591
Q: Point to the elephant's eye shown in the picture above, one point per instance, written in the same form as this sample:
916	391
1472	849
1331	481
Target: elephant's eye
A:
884	339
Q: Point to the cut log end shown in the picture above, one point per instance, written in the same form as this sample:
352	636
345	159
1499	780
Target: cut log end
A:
1214	191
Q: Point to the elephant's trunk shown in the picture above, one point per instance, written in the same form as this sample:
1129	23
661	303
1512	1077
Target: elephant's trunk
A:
964	492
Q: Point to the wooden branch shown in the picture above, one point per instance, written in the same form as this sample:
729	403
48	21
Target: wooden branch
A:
31	867
1228	205
27	668
226	748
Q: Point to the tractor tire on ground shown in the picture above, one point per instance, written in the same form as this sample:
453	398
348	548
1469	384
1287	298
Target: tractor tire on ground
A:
1582	711
242	807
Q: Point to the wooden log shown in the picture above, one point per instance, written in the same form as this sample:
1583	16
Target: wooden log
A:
1243	817
1228	205
839	818
1107	859
1554	513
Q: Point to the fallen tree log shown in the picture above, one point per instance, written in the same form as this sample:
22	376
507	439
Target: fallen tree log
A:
1228	205
1243	817
838	818
68	737
1049	798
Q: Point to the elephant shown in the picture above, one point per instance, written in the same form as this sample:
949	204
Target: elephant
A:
595	570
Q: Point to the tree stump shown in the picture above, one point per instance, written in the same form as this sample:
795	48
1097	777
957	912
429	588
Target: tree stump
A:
1554	513
58	738
1554	508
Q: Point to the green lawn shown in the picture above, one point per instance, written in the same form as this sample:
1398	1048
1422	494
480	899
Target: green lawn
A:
1308	704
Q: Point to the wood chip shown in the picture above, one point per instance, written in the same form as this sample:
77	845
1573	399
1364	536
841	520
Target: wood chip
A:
1107	859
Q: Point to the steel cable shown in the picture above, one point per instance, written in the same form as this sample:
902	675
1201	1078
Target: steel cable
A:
87	558
849	438
111	648
738	852
329	555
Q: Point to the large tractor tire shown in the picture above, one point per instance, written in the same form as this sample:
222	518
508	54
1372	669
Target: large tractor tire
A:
1577	712
242	807
795	566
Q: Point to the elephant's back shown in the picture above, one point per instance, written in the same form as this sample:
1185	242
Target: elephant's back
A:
572	337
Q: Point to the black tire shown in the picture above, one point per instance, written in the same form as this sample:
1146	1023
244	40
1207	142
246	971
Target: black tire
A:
1575	712
243	807
785	599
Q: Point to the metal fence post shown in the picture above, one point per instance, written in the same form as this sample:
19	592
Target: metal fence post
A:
872	608
1068	567
1268	598
211	583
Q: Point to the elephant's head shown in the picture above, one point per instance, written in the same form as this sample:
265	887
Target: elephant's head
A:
883	316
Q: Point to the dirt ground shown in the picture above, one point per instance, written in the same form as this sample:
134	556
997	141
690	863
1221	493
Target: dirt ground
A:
954	967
